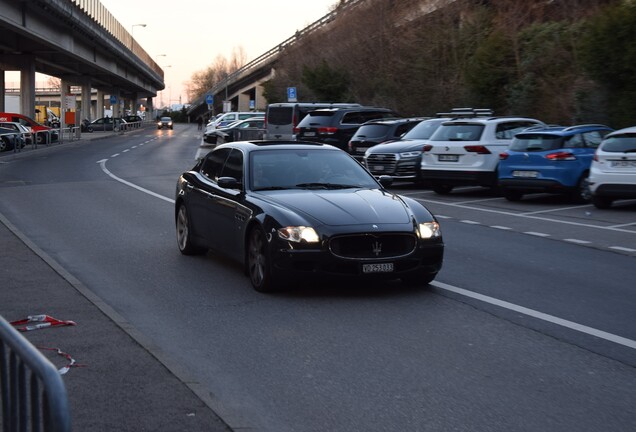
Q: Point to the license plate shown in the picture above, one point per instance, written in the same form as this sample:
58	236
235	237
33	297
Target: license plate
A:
378	168
448	158
309	134
525	174
623	164
377	268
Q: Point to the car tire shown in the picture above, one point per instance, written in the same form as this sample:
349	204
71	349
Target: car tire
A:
258	265
442	189
582	193
512	195
184	234
602	202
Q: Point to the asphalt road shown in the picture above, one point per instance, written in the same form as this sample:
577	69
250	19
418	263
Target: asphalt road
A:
530	326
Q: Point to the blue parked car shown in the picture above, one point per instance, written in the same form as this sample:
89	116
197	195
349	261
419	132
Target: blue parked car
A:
552	159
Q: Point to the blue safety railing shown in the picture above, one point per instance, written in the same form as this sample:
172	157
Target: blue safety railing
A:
32	392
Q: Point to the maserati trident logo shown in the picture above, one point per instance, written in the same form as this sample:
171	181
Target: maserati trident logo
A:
376	247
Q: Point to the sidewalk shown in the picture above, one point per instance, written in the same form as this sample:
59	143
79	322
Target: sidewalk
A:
120	383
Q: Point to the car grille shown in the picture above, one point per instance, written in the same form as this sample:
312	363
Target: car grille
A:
373	246
386	161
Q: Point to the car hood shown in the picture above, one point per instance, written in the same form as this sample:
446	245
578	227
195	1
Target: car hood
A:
398	146
344	207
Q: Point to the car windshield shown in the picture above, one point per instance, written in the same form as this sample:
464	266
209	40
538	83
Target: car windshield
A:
536	142
274	169
458	132
625	143
166	119
423	130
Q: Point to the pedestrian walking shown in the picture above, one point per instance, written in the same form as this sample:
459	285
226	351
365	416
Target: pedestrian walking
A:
200	122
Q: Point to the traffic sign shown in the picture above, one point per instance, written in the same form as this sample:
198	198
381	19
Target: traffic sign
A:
113	99
209	99
291	94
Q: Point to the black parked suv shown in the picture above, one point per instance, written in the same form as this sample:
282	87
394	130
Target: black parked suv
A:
378	131
336	126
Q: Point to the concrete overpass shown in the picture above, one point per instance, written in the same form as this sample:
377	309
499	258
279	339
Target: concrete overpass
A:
80	42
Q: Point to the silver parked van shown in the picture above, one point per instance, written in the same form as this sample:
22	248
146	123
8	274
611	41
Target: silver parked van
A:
281	118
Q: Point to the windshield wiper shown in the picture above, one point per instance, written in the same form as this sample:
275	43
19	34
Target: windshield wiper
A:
326	186
270	188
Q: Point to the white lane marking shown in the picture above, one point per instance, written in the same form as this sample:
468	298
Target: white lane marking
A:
102	163
624	225
624	249
500	227
577	241
528	216
555	210
470	222
539	315
443	217
126	151
479	200
115	155
538	234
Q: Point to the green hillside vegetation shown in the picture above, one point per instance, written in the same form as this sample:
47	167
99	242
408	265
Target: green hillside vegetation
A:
565	62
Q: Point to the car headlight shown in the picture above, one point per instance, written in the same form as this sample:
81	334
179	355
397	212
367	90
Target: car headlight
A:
410	154
429	230
298	234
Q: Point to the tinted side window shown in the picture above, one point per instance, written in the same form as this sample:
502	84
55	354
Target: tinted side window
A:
279	115
233	166
508	130
575	141
594	138
213	163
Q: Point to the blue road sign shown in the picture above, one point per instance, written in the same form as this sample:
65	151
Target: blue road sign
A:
291	94
209	99
113	99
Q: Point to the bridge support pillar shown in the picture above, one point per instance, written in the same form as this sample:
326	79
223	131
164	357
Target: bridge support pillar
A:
27	87
2	91
86	100
99	107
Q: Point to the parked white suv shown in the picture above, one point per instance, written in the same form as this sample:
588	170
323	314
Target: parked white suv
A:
465	150
613	169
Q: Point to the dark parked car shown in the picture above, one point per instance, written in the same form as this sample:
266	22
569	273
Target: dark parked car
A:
133	119
106	124
241	130
293	211
10	139
401	159
378	131
336	126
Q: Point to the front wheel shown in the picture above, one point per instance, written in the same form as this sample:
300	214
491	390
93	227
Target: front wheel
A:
258	265
184	234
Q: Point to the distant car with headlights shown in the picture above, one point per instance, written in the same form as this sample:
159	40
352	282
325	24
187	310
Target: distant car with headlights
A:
164	123
291	211
613	170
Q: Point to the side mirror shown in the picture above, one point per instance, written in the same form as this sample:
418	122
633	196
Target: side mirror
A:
229	183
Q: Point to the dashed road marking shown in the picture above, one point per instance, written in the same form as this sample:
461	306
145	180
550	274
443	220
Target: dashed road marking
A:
537	234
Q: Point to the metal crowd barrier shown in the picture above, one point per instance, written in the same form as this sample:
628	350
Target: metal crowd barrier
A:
32	392
44	136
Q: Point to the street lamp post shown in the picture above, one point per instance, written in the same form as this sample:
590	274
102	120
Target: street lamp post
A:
132	32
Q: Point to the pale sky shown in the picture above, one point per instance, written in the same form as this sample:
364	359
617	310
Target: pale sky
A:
192	33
